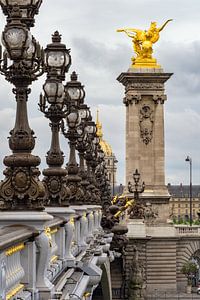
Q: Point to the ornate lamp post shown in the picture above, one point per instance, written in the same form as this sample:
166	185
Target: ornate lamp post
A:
57	56
90	130
54	180
21	188
136	188
136	211
189	159
104	185
74	96
81	146
58	61
114	162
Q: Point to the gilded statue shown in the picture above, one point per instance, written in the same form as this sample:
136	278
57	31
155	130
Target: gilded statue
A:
143	41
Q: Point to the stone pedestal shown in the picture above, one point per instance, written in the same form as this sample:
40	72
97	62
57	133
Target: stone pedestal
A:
144	101
136	228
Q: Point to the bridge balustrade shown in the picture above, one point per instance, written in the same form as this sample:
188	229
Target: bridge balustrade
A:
38	264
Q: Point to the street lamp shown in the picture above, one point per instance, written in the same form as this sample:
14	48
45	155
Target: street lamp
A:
136	211
21	188
52	105
189	159
115	161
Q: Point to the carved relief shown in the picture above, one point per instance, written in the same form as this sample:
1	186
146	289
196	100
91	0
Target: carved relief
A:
146	124
146	86
159	98
130	98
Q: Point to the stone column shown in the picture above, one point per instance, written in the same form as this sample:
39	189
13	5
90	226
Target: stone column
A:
144	101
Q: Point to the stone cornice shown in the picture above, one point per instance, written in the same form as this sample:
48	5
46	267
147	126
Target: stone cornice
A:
145	78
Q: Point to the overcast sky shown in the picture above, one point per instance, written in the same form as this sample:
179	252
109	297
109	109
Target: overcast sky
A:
99	55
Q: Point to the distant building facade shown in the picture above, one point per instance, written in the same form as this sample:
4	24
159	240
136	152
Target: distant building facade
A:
179	203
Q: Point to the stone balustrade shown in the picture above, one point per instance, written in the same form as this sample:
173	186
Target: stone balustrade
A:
37	263
187	230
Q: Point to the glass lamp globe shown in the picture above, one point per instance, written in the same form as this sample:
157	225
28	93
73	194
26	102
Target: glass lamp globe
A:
90	128
53	89
72	119
57	56
136	176
74	90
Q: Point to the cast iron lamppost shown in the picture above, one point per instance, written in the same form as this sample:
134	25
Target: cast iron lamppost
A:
90	130
136	188
21	188
115	161
94	163
81	146
189	159
58	61
74	96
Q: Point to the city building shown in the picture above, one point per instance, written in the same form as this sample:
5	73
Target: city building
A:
179	203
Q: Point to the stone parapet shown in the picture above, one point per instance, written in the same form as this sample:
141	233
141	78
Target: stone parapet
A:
43	250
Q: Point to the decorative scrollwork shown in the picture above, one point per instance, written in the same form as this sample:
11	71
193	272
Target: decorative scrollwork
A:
146	124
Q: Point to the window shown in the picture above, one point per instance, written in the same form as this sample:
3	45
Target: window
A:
108	162
186	205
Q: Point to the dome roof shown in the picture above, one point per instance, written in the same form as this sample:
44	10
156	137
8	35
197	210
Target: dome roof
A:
104	145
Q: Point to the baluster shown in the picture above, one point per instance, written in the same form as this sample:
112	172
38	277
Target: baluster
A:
69	231
43	284
3	276
83	231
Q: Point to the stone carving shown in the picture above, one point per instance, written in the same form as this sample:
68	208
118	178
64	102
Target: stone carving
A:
136	211
159	98
146	86
146	124
136	280
130	98
150	214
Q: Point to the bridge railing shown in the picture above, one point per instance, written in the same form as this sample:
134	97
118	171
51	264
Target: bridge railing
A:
31	261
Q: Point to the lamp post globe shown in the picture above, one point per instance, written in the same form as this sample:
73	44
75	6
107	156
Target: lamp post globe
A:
75	90
57	56
29	9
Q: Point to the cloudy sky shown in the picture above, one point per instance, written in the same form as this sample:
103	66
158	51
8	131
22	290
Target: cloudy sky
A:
100	54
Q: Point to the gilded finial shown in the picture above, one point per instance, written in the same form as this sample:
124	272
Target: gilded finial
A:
143	41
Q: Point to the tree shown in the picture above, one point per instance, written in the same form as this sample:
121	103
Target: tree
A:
189	269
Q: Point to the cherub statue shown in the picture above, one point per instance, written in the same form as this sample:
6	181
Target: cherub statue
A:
143	41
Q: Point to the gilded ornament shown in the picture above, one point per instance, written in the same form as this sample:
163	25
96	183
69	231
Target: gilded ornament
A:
143	41
14	291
